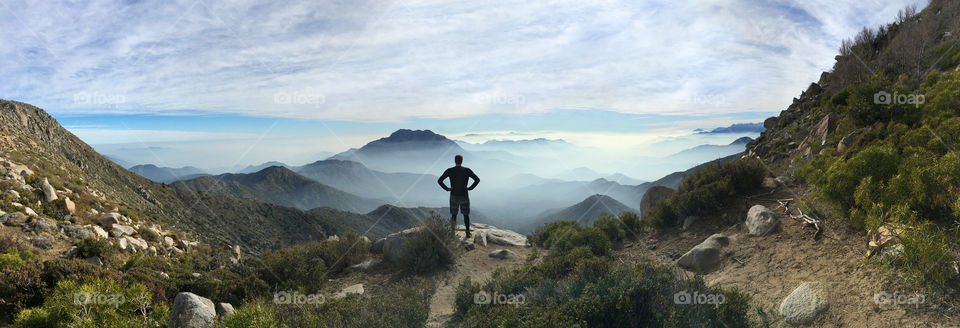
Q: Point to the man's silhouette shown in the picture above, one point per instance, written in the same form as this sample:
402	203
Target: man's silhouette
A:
459	200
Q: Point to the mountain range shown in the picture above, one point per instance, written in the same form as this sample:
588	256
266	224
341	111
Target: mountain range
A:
279	185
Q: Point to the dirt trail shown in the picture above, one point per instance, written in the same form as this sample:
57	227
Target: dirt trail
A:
769	268
476	264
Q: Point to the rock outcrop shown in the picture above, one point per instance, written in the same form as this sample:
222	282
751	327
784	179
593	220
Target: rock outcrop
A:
706	256
760	221
192	311
651	197
804	304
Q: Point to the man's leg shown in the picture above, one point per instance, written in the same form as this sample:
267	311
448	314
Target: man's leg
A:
454	207
465	209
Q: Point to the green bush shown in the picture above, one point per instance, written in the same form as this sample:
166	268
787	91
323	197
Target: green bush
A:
596	292
432	248
708	192
14	258
90	247
310	265
631	223
252	315
149	234
96	303
611	226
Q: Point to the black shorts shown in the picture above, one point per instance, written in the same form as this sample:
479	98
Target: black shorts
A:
461	203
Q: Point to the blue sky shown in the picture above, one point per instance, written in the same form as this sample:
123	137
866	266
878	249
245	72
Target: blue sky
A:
306	78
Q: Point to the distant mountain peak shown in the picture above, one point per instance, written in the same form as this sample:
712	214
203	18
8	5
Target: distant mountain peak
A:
741	141
404	135
735	128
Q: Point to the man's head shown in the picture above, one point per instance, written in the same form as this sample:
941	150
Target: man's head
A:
458	159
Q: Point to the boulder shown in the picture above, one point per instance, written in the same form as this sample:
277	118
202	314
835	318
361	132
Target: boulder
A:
76	231
760	221
71	206
41	225
334	238
95	261
651	197
49	194
121	230
71	252
12	194
706	256
393	243
480	238
224	310
505	237
192	311
139	243
99	232
168	241
109	219
804	304
15	219
152	251
352	289
814	141
377	247
44	241
123	244
503	254
30	212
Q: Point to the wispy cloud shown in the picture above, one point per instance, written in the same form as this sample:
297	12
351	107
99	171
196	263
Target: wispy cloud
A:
391	60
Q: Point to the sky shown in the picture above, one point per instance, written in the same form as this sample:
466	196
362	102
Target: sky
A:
208	83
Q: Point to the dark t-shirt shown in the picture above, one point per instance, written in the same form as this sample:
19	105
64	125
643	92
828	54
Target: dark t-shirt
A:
459	176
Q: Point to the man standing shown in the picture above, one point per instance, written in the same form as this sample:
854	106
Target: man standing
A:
459	200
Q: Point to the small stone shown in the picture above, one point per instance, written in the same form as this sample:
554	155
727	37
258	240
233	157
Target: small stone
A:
71	206
804	304
95	261
224	310
503	254
352	289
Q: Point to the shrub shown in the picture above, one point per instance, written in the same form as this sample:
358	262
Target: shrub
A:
429	249
95	303
252	315
611	226
708	191
631	223
14	258
597	292
149	234
90	247
309	265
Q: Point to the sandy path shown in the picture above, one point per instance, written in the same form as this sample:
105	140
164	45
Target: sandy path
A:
769	268
476	264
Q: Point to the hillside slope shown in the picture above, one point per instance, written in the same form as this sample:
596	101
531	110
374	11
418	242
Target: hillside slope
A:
30	136
279	185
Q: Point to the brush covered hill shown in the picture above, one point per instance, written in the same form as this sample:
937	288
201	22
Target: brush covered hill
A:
30	136
279	185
